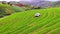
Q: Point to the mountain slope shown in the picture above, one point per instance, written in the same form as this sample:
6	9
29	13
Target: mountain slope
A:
16	8
27	23
42	3
7	10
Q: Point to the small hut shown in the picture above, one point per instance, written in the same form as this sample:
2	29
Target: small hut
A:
37	14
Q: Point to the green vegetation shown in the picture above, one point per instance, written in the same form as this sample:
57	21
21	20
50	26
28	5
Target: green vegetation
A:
27	23
16	8
4	10
7	10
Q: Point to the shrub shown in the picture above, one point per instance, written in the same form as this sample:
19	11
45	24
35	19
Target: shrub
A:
4	10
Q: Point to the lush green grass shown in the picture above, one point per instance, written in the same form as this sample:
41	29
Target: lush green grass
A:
27	23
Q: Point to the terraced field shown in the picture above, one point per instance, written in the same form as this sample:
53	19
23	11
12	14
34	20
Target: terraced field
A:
27	23
16	8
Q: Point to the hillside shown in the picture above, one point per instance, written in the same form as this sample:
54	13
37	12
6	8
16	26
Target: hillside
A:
5	9
16	8
42	3
27	23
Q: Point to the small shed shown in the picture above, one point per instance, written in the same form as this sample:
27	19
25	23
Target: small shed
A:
37	14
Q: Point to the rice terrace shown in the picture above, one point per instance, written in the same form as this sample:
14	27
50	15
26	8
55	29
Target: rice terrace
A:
20	18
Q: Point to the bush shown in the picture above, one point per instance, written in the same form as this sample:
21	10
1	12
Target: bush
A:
4	10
